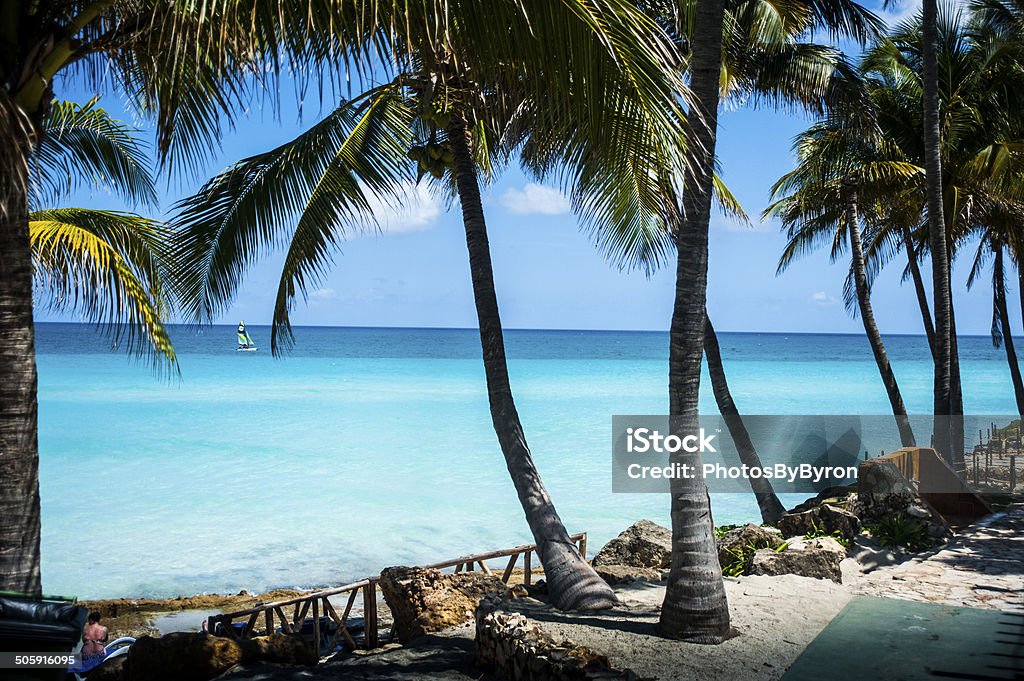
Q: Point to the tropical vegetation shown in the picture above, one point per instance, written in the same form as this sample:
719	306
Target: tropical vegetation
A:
916	149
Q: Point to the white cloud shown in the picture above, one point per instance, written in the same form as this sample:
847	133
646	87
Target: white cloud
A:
534	199
324	294
417	211
901	10
822	298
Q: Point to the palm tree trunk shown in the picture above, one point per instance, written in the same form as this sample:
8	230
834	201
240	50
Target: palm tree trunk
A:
572	582
956	398
1020	288
695	606
922	295
767	501
937	229
999	299
867	316
19	447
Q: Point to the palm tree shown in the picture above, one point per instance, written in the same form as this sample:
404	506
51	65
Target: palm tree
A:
450	116
818	203
942	348
107	267
1001	325
768	62
695	606
172	63
767	501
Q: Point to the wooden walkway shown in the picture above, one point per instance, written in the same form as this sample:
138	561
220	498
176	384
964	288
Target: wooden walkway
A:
313	607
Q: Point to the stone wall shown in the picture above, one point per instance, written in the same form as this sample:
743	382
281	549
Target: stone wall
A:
512	647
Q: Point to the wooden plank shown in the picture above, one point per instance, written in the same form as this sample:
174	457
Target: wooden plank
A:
510	567
527	568
354	586
250	624
483	566
348	606
300	615
583	546
316	626
270	621
370	614
286	627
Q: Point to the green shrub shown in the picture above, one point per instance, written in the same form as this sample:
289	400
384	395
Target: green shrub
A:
900	530
739	558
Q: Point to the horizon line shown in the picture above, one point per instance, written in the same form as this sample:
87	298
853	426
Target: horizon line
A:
521	328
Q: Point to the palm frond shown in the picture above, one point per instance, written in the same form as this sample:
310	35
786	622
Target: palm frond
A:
302	196
107	267
82	144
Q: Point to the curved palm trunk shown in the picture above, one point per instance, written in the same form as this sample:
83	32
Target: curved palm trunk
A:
922	295
767	501
19	449
867	315
695	606
937	230
999	300
572	583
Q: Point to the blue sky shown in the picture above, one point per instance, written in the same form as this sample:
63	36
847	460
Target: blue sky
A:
548	274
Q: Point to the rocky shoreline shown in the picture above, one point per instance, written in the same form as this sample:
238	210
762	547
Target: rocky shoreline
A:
784	584
137	616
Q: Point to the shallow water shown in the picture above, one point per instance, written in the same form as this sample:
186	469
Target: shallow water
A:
373	447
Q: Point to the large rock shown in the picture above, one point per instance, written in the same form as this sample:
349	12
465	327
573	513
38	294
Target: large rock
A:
881	490
818	558
284	649
625	574
836	496
826	519
644	544
423	600
744	542
183	657
199	657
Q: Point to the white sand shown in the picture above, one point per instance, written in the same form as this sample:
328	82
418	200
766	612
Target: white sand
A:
774	619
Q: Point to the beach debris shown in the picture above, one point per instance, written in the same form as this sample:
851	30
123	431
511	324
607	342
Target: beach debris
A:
643	544
819	558
423	600
825	519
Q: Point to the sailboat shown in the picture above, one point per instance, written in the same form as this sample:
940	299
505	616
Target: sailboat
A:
245	341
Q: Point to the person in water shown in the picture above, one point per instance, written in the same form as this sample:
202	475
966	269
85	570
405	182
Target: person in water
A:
93	637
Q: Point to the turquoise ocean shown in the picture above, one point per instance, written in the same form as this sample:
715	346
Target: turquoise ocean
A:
373	447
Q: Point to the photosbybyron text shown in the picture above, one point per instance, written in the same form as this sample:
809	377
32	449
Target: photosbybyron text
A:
803	454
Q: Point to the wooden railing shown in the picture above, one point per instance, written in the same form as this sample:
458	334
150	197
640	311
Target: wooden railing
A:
317	604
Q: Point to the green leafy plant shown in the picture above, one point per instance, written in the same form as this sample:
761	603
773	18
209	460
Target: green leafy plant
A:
722	530
818	530
899	530
738	558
